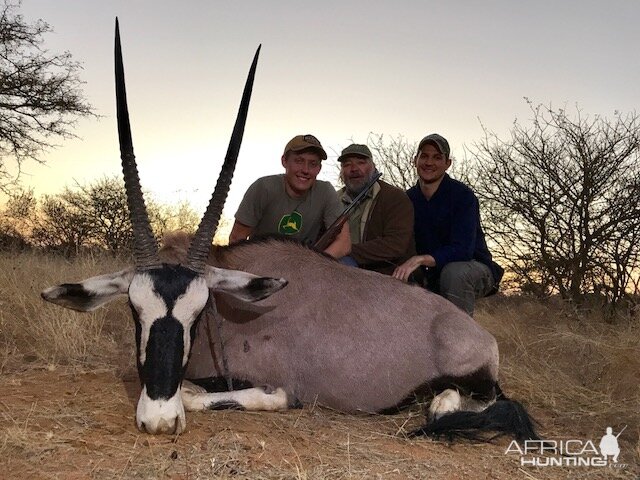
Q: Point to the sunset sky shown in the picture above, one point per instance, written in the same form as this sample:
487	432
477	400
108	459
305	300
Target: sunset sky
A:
336	69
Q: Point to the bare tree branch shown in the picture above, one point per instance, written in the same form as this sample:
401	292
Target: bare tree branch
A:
40	94
393	157
561	199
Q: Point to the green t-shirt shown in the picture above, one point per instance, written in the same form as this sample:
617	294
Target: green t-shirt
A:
267	208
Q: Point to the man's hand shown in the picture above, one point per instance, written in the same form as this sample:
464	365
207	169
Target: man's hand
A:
403	271
341	246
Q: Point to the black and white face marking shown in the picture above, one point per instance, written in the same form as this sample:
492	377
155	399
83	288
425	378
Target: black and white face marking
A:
165	303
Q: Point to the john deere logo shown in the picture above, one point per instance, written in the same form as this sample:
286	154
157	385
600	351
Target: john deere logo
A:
290	224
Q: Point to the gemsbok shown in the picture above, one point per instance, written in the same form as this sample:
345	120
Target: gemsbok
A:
343	337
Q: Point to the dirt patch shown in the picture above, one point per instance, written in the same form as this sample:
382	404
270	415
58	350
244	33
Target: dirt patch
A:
70	424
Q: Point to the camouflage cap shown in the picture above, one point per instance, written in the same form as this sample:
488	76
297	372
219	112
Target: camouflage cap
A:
304	142
355	150
437	141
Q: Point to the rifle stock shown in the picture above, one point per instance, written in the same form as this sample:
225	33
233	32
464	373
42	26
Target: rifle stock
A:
334	229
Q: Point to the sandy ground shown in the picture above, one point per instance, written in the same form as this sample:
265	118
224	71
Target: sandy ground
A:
70	424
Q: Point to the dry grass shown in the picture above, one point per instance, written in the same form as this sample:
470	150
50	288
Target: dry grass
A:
68	389
584	370
36	334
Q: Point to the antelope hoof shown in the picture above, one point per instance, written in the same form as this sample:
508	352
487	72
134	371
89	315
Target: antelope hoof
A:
446	402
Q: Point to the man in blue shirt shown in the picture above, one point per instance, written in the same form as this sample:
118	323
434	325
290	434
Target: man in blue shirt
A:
449	239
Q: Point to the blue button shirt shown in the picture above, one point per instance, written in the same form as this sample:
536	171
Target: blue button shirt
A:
447	226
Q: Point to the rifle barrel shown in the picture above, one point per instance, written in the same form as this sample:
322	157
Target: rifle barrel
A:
331	233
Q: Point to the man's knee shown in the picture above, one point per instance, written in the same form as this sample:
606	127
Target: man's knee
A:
456	275
456	285
469	276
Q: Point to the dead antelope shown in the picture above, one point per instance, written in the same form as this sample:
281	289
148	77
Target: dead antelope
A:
346	338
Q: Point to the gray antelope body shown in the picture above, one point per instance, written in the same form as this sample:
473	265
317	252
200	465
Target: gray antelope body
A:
343	337
347	338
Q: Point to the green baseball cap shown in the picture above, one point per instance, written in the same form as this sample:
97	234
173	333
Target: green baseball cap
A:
355	150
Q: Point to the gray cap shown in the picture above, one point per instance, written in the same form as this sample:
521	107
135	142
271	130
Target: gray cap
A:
437	141
355	150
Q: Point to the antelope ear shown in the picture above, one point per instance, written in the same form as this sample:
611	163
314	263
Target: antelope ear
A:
90	293
242	285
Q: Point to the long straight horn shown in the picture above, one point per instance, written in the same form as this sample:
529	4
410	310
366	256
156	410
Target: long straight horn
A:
199	249
145	247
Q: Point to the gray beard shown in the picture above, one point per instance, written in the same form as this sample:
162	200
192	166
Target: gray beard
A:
355	192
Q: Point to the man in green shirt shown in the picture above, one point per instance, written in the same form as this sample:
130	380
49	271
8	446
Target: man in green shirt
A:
295	203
